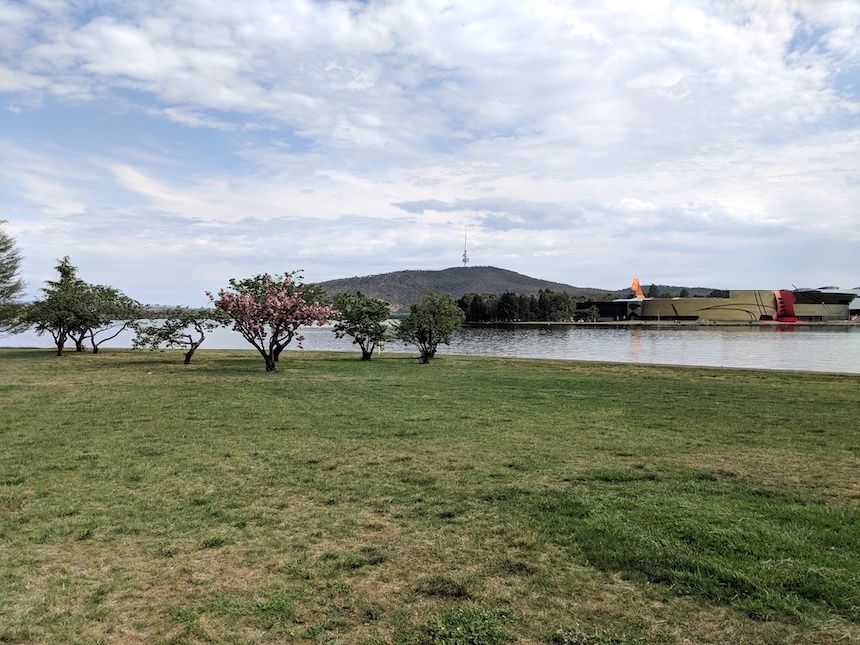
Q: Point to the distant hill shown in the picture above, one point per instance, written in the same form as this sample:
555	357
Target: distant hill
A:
403	288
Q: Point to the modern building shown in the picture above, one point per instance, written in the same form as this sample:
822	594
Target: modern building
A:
749	306
810	305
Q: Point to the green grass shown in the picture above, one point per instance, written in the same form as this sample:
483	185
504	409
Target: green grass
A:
471	500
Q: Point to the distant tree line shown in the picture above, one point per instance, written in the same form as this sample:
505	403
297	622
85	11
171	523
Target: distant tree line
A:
546	305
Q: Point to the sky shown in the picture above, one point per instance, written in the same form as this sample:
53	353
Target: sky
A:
169	146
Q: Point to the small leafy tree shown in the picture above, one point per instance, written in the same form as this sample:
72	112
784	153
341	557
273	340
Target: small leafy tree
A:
110	313
430	322
11	285
182	328
268	311
362	318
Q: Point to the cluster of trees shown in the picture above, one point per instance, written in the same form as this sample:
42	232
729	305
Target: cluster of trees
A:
72	309
268	311
547	305
654	292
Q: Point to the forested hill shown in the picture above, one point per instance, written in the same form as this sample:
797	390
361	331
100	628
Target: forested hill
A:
402	288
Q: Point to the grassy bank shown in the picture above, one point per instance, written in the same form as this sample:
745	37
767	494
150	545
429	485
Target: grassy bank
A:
473	498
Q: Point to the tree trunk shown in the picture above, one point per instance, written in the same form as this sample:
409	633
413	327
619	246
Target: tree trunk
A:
79	342
366	355
189	354
271	365
61	342
95	349
276	353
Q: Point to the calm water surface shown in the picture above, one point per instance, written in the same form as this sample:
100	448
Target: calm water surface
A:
805	348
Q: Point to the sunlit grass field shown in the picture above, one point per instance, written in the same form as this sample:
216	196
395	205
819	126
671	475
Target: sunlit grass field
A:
471	500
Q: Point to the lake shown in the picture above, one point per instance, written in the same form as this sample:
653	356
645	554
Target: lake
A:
802	347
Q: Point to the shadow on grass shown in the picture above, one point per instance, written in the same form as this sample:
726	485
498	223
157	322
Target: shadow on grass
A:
766	553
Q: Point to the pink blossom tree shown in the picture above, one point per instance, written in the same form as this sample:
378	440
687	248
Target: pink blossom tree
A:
268	311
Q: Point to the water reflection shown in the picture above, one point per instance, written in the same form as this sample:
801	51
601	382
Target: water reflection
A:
801	347
636	346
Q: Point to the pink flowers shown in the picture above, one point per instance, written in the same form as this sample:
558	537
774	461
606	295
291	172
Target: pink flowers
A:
268	310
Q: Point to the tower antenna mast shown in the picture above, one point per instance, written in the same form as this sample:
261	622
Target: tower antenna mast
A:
465	250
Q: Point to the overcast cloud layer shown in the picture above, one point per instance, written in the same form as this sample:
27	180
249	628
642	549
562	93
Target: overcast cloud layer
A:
169	146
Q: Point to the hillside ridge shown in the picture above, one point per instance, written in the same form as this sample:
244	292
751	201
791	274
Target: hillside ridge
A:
403	288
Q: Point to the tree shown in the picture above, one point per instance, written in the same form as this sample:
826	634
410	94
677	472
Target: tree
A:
73	309
268	311
477	309
524	307
62	310
544	305
108	312
685	293
430	322
507	306
182	328
11	285
652	291
363	318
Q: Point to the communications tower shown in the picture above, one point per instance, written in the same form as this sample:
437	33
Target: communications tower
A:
465	250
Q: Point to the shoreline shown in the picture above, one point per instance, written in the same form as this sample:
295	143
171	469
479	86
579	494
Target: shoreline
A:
491	357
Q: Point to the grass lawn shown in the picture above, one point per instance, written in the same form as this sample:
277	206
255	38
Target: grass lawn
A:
471	500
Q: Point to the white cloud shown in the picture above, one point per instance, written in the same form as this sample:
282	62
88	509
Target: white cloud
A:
722	122
16	81
355	73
